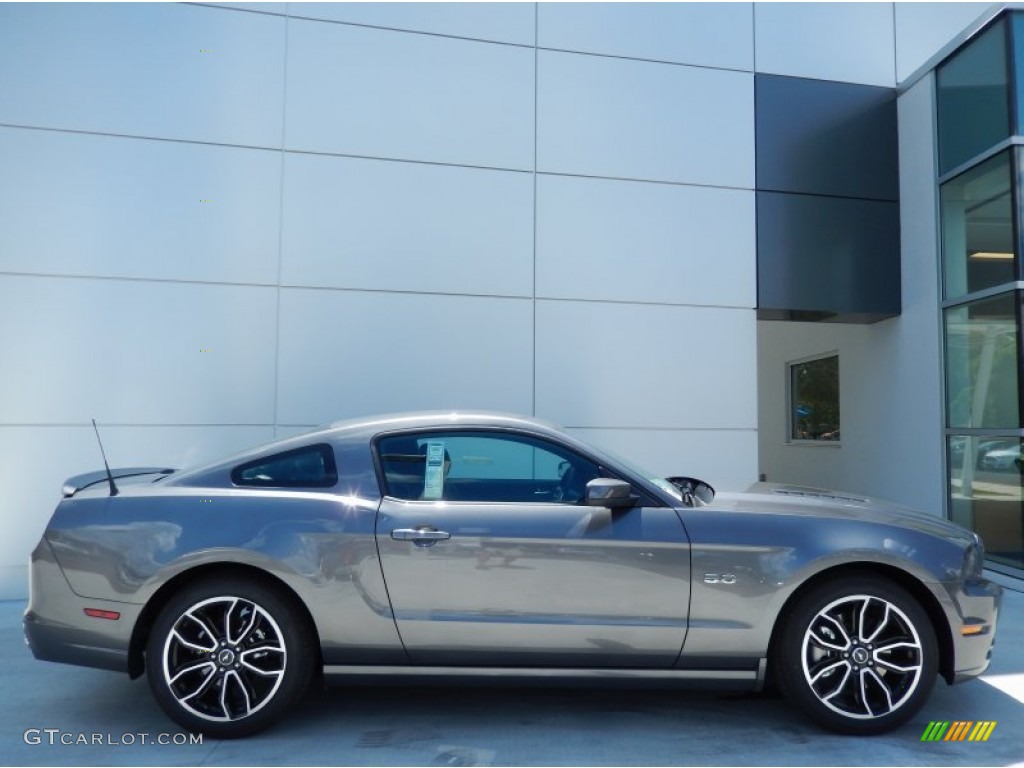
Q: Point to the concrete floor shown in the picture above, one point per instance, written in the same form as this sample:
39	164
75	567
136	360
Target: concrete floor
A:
456	727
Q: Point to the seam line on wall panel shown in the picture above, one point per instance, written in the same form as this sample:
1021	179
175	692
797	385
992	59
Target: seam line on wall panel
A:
860	198
536	81
349	156
130	279
665	182
895	50
300	287
630	302
280	230
643	60
242	10
753	34
140	137
420	32
486	41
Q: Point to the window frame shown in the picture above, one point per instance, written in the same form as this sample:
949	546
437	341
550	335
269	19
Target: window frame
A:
790	401
644	497
326	451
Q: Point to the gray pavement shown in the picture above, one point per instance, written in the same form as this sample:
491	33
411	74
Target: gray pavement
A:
481	726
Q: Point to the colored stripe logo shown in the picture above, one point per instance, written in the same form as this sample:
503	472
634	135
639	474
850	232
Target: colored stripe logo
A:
958	730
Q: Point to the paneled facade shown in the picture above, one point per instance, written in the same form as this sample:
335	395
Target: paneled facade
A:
221	223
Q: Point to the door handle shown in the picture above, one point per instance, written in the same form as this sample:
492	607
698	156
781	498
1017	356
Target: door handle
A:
421	536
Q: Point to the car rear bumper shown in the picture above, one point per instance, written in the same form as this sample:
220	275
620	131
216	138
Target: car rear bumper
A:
57	627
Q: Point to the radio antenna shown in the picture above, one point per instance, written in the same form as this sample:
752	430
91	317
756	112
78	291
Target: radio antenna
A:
110	476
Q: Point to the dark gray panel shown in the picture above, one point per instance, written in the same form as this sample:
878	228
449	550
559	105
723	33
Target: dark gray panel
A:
827	258
826	138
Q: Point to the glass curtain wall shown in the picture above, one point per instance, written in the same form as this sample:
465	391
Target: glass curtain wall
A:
979	122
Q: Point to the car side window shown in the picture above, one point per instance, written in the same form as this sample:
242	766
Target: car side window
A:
483	467
311	466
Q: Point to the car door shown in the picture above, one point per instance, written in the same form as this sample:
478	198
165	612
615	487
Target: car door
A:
491	557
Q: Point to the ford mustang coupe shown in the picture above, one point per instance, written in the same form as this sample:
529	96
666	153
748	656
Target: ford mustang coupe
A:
487	546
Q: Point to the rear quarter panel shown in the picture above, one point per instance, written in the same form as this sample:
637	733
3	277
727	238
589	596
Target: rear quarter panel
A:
321	545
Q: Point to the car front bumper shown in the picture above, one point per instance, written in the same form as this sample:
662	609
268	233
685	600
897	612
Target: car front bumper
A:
974	629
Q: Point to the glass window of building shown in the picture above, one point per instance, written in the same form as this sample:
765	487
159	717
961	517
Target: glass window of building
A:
977	228
814	400
981	364
973	99
985	493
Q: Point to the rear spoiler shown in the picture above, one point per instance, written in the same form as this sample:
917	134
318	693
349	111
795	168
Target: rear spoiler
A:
74	484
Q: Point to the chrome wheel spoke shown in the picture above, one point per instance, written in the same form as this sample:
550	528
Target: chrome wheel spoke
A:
842	684
818	635
192	668
913	651
232	681
829	669
879	684
200	689
193	646
208	631
248	615
864	637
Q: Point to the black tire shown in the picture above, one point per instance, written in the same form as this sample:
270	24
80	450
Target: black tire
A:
857	655
228	657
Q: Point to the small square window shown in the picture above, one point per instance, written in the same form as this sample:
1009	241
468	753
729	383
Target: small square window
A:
814	400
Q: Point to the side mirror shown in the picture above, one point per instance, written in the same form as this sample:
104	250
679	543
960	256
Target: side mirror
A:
606	492
696	493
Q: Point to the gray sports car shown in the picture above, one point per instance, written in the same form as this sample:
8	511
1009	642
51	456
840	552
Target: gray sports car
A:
489	545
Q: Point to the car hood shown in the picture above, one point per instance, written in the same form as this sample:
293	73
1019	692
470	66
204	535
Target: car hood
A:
773	498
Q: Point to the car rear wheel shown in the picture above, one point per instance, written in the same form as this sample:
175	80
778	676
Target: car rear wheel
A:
229	657
857	656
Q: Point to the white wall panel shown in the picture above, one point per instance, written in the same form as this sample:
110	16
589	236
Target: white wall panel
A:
35	461
141	69
619	365
504	22
634	119
636	241
922	29
99	205
852	42
708	34
129	351
361	91
725	458
354	223
351	353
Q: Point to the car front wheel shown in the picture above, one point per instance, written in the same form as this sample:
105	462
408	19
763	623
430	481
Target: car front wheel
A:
858	656
229	657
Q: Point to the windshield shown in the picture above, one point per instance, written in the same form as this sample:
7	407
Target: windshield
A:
632	468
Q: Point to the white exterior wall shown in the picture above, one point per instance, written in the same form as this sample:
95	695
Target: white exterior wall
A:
218	226
410	206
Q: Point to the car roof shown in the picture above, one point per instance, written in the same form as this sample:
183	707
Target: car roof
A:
364	428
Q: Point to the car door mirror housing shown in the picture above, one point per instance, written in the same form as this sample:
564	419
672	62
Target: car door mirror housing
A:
608	492
696	493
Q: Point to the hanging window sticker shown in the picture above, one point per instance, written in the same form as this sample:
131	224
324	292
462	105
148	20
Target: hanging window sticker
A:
433	479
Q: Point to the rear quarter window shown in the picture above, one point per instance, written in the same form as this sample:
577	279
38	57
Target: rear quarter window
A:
311	466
